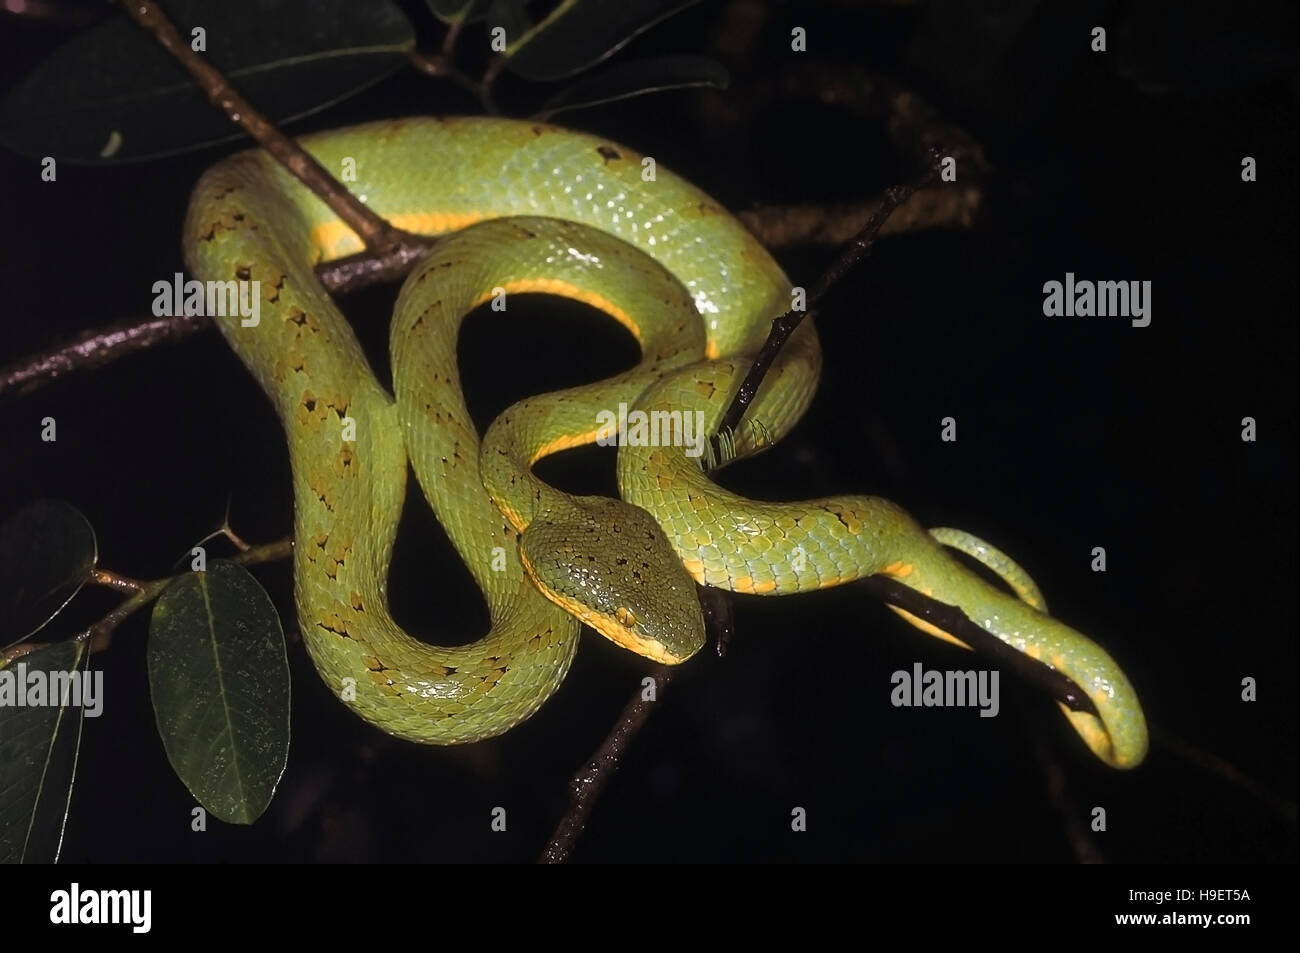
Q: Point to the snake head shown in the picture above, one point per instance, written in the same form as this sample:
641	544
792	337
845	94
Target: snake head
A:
608	563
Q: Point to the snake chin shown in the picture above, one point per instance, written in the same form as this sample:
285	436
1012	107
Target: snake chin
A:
608	563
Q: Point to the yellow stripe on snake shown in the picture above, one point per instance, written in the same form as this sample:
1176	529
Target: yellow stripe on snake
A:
532	208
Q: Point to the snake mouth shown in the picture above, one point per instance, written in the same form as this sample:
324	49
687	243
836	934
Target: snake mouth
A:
613	630
621	635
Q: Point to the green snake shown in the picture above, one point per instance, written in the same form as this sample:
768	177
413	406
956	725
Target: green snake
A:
525	207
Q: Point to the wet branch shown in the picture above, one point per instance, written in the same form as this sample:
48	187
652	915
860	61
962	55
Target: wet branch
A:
101	346
585	786
96	348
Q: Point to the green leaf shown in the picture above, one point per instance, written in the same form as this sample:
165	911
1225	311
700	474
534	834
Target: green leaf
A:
635	78
219	678
458	11
39	743
114	94
47	550
580	33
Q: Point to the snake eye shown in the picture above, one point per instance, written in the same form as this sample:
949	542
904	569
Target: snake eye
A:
625	616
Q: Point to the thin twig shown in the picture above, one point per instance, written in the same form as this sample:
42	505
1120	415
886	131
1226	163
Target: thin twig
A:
101	633
228	531
265	553
586	785
449	40
115	581
785	325
490	75
441	66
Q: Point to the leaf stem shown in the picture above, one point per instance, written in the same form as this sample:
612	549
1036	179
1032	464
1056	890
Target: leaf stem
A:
143	592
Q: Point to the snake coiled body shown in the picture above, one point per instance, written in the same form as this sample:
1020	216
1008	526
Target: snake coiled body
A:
532	208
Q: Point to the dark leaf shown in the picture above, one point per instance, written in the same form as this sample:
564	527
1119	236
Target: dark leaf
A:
47	550
39	743
220	684
113	94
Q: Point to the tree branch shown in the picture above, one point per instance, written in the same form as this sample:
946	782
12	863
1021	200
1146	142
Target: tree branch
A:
585	786
955	622
96	348
785	325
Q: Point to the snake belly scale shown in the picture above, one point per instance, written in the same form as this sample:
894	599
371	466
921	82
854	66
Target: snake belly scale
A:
526	207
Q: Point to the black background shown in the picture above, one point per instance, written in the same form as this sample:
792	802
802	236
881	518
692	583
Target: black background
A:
1073	433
